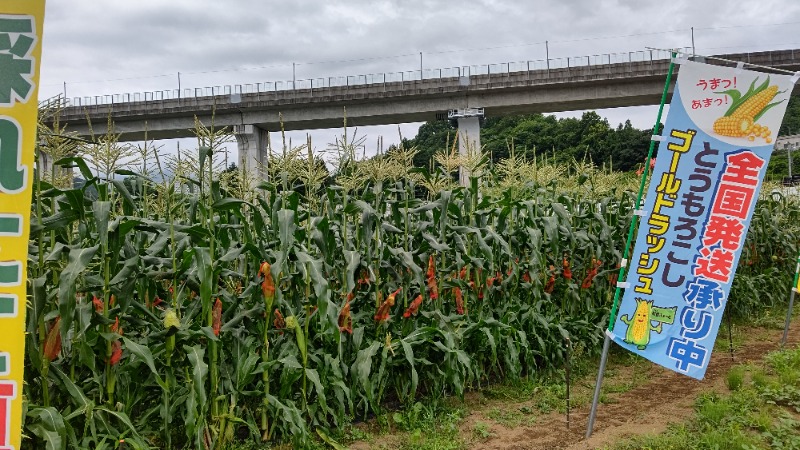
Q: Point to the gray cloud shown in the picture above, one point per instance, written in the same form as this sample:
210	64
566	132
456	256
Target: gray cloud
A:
90	44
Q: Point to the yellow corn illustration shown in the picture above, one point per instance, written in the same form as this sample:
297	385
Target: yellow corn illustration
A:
733	126
756	103
641	326
740	119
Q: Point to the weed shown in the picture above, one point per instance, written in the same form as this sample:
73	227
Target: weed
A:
510	417
735	378
482	430
785	434
753	416
712	409
759	378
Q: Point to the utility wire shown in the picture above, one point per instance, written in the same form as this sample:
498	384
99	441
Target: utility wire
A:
440	52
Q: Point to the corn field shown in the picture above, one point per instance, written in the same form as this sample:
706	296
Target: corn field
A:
175	304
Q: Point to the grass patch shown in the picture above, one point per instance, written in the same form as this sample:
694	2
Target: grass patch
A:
735	378
512	417
421	426
760	412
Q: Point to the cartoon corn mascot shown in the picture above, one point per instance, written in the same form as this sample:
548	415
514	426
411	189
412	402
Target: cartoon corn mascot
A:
640	326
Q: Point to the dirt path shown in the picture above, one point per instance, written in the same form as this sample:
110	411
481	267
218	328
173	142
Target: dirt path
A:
662	397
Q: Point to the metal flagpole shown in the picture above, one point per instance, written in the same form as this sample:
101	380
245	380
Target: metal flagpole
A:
795	287
613	316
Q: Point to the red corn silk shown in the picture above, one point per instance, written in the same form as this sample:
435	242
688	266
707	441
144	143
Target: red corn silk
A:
526	277
587	281
364	280
98	305
612	277
216	317
115	328
463	274
497	278
278	322
52	342
459	301
413	308
567	272
382	314
432	285
116	353
268	285
551	282
116	346
431	267
477	290
345	320
640	171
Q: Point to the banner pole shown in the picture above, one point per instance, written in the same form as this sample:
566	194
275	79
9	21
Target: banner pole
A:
795	287
621	277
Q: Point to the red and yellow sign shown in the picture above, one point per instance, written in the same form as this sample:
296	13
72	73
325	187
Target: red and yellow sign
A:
20	54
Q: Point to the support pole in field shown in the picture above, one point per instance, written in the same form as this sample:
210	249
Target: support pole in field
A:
620	279
795	289
567	374
730	332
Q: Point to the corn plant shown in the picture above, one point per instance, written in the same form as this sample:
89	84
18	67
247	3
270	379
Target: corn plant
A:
206	308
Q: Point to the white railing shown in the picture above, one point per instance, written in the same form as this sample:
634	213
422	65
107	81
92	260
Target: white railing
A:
376	78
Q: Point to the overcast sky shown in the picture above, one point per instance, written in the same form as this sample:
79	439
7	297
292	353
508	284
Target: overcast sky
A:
102	47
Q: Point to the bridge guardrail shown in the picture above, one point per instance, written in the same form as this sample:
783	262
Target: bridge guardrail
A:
311	84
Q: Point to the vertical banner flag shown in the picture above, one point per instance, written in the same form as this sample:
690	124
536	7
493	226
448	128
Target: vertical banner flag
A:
20	53
797	276
713	154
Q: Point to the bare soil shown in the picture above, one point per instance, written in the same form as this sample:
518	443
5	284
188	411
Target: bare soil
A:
663	398
653	398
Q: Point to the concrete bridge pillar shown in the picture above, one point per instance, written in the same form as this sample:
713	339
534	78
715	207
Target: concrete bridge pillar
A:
469	135
48	171
253	147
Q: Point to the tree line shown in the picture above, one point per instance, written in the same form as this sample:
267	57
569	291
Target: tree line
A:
589	137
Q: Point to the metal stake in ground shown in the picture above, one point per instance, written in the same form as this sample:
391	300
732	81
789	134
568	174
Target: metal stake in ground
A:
567	370
795	289
730	332
621	278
